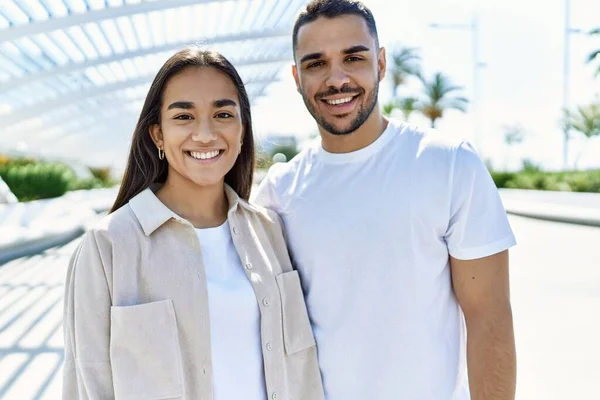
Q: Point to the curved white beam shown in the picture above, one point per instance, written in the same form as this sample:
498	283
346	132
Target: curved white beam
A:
70	98
100	120
117	121
109	111
94	16
72	67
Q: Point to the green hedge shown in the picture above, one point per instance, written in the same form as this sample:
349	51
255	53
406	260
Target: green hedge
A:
32	180
570	181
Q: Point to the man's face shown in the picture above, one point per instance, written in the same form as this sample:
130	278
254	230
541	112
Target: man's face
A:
337	72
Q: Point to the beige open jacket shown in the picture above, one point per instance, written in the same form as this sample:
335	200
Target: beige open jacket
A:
136	307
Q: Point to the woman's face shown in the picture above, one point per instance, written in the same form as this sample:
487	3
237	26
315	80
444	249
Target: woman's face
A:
201	126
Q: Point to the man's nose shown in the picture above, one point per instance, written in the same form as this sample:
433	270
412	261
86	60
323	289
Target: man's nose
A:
337	77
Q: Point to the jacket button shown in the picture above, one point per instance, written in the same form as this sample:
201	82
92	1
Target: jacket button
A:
265	302
269	346
274	396
248	265
235	231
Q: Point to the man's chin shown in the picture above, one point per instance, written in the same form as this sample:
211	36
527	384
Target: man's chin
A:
342	126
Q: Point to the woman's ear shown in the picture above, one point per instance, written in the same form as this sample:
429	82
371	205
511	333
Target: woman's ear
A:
156	135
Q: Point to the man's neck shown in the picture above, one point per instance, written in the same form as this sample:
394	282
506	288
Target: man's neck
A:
202	206
368	133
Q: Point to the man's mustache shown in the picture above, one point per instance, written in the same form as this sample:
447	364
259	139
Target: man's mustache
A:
333	91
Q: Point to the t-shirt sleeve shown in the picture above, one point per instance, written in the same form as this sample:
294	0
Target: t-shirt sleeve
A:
478	225
264	195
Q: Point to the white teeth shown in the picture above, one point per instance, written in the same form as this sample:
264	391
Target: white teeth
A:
204	156
340	101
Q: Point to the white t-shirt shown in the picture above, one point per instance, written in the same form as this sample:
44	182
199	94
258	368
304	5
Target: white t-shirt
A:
370	233
234	320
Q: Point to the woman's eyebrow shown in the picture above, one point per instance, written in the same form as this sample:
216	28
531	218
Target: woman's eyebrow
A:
224	103
186	105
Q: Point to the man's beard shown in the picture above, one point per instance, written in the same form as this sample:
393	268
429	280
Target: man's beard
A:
363	113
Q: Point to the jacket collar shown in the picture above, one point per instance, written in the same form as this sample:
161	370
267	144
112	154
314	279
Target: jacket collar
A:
152	213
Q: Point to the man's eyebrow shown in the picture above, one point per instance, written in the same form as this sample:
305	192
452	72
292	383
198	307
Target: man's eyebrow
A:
224	103
355	49
311	56
186	105
351	50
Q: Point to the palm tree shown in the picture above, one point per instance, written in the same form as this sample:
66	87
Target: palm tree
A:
585	120
406	104
389	108
439	97
596	53
405	63
513	134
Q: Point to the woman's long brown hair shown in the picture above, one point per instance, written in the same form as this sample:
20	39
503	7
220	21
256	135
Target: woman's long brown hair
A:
143	165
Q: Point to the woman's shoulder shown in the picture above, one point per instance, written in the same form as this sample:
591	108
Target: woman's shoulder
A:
116	226
273	234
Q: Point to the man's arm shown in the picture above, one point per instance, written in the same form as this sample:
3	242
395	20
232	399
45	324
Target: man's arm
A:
482	289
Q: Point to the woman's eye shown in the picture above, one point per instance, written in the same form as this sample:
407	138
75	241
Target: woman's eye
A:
224	115
183	117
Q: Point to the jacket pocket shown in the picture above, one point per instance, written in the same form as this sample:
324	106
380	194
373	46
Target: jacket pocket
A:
297	331
144	351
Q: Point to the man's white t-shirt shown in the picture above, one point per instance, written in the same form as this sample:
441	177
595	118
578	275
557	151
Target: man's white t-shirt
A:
234	320
370	233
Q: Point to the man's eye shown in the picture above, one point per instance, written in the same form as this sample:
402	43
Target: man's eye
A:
353	59
183	117
315	64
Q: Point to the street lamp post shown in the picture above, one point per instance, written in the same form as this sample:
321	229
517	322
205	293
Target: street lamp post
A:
566	55
473	28
568	31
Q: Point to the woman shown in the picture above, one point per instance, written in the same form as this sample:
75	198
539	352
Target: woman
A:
186	291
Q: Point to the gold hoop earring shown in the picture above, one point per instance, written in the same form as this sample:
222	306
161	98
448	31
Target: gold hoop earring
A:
161	154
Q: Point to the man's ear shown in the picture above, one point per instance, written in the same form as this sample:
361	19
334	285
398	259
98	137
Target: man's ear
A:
381	63
296	79
156	135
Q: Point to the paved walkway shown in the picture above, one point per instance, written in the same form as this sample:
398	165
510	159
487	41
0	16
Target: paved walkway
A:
31	337
555	290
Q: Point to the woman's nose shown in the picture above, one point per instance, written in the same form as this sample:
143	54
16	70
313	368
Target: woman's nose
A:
204	133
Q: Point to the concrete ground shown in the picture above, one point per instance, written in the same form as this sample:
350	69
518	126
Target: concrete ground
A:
555	278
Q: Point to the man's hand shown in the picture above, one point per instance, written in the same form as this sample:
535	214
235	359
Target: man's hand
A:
482	289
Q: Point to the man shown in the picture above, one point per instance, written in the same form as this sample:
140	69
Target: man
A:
398	234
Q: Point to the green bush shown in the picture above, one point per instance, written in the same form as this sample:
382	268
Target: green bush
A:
30	180
584	181
102	174
500	178
534	179
554	182
526	181
87	184
33	181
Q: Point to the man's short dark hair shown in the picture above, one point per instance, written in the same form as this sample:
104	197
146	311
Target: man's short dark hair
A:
331	9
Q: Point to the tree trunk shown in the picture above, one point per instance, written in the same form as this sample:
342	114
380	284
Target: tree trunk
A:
577	159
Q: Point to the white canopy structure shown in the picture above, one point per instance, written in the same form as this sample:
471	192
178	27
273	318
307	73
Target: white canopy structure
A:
74	73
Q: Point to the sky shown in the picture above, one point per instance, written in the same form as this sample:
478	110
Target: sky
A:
521	82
